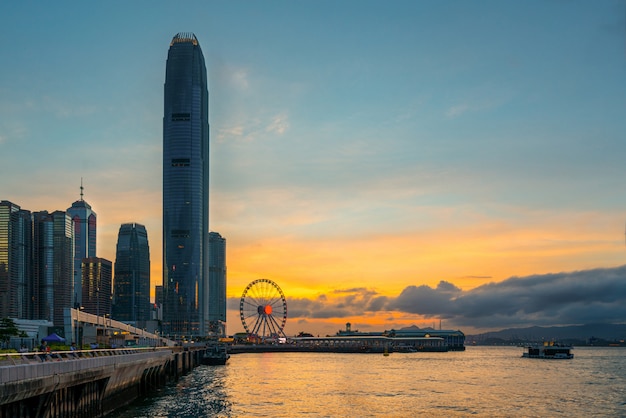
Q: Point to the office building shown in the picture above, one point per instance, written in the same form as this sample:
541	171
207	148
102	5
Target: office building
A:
185	189
53	261
16	284
84	220
217	284
96	286
131	283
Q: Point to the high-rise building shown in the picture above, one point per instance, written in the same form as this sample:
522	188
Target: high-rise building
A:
43	259
131	283
158	303
217	284
97	274
84	220
36	263
185	189
16	283
53	248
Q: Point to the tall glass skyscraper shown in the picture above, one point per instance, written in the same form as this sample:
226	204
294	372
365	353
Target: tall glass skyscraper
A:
53	257
217	284
97	278
16	284
185	189
131	283
84	220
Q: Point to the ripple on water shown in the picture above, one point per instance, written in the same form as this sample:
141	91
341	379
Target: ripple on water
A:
482	381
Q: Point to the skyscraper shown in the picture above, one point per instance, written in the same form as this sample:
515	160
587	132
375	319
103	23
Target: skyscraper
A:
131	283
217	284
43	264
97	274
185	189
53	248
16	284
84	220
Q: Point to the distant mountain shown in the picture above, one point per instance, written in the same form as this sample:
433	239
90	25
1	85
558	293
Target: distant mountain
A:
609	332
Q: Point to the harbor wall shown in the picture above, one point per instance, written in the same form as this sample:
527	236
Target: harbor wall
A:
91	385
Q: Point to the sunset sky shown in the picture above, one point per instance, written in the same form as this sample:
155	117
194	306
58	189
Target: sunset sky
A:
386	163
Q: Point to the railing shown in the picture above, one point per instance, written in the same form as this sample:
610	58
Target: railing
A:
14	359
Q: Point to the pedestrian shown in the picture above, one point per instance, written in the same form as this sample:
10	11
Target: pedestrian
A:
43	348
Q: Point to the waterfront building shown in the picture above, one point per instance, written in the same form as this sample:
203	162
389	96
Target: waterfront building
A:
16	285
96	285
53	264
217	284
453	339
185	189
84	220
131	287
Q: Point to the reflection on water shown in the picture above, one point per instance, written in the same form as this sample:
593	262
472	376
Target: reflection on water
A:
482	381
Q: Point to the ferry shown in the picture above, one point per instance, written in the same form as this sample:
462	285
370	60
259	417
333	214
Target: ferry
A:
550	351
215	355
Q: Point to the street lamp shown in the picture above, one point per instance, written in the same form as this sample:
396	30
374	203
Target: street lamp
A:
106	337
79	327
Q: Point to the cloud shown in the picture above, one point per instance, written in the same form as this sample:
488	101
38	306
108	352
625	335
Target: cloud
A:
457	110
425	300
343	304
11	130
477	277
550	299
480	98
580	297
279	124
65	110
246	130
239	78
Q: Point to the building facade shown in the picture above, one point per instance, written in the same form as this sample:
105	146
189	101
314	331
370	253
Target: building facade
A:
16	284
96	285
53	261
36	264
217	284
185	189
131	284
84	220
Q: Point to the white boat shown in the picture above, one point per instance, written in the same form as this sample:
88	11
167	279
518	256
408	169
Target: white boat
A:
549	351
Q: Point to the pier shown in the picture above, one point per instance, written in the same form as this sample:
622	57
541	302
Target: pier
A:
86	383
346	344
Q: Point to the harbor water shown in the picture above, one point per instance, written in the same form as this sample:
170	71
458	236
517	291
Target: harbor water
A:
481	381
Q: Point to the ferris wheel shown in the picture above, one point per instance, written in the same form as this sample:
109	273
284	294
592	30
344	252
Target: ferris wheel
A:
263	309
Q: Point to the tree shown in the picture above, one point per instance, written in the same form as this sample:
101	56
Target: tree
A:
8	329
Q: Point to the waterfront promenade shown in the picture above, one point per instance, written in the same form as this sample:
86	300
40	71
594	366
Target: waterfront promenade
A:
86	383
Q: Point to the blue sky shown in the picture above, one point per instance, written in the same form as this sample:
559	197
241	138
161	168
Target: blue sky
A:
359	150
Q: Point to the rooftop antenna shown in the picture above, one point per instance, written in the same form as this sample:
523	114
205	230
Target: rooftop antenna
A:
81	188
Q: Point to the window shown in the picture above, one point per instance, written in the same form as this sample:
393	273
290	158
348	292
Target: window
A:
180	162
177	117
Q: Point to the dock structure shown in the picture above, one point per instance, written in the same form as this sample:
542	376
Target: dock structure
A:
86	383
348	344
370	344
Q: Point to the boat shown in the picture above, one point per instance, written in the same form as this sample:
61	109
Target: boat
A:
550	351
215	355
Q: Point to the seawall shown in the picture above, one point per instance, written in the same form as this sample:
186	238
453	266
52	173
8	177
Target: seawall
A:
86	383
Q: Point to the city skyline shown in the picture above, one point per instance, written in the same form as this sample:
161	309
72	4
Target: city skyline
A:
382	164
